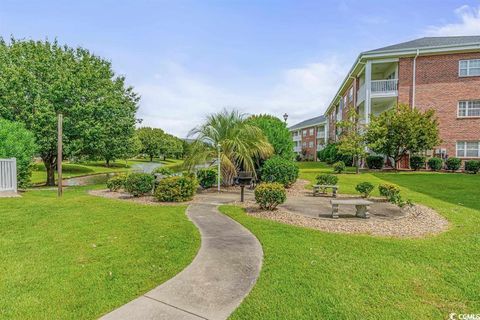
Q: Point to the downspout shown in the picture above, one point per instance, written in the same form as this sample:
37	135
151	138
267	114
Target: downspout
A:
414	78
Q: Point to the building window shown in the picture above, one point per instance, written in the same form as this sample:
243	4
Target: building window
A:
468	149
469	108
304	133
468	68
311	132
310	144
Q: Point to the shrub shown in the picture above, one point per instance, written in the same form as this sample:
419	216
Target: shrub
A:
328	179
207	177
279	170
375	162
164	171
365	188
417	162
138	184
117	182
298	157
330	155
435	164
453	164
270	195
176	189
472	166
392	194
339	167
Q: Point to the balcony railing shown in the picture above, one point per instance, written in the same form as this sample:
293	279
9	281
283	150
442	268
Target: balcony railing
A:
381	87
297	138
297	149
320	135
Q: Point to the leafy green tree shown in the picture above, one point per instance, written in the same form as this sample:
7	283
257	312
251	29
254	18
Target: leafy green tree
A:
41	79
402	130
277	134
152	141
240	143
352	141
17	142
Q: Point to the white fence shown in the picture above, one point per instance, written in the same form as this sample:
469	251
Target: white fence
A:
8	175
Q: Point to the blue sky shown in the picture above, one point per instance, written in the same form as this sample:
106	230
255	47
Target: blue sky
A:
190	58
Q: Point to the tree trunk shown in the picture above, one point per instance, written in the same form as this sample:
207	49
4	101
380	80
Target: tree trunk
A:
151	158
107	163
357	165
50	163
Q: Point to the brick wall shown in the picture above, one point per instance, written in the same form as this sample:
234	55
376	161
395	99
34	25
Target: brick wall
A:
439	86
311	151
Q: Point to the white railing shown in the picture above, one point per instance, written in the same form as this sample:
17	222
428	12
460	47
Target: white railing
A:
297	138
361	94
297	149
8	175
384	86
320	134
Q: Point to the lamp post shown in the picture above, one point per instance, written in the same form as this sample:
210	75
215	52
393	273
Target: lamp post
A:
218	166
285	117
59	152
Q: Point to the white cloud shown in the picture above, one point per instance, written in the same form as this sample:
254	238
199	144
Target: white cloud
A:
176	100
469	23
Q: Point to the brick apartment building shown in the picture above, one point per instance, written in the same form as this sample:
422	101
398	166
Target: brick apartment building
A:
309	136
440	73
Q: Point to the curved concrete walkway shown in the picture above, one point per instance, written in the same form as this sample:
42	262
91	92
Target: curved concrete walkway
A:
214	284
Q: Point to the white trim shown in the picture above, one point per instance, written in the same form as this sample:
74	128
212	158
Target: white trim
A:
466	109
465	149
468	68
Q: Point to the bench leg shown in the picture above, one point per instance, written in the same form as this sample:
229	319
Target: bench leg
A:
362	211
334	211
334	192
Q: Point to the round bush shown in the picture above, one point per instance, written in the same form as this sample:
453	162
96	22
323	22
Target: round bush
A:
138	184
392	194
375	162
176	189
365	188
164	171
117	182
435	164
417	162
207	178
339	167
472	166
280	170
453	164
270	195
327	179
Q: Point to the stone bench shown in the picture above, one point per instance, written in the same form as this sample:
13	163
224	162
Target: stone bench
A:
361	206
322	188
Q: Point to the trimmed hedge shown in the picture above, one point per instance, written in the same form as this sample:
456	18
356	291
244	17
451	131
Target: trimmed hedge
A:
435	164
375	162
139	184
116	183
365	188
417	162
472	166
453	164
270	195
330	155
207	178
279	170
339	167
176	189
328	179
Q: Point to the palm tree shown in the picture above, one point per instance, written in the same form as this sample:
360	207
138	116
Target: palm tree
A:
240	143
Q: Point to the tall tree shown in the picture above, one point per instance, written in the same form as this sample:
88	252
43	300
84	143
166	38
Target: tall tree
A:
277	134
152	141
239	141
402	130
352	142
41	78
17	142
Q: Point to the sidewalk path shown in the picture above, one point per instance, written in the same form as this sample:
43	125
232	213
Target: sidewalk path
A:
214	284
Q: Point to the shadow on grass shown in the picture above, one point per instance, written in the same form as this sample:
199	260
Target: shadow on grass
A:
458	189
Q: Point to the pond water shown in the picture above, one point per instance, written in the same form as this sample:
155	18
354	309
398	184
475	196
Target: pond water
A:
146	167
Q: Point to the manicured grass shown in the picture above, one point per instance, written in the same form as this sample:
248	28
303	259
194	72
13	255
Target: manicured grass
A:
308	274
71	170
81	256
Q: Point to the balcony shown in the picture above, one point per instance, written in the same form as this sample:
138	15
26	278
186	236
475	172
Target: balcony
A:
297	149
321	135
361	94
384	88
297	138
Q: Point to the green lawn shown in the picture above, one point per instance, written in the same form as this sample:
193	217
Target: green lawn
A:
81	256
71	170
310	274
